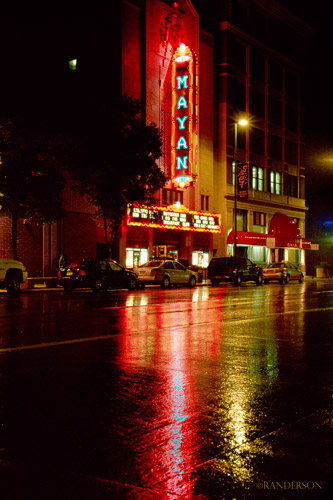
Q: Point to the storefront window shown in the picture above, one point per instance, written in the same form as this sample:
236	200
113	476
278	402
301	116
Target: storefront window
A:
200	258
136	257
257	254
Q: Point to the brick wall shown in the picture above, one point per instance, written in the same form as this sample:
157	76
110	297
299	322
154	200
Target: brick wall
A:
29	244
131	53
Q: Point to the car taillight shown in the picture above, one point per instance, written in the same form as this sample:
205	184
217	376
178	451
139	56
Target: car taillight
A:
82	273
59	274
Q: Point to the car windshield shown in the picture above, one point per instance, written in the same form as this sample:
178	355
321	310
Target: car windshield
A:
276	265
152	263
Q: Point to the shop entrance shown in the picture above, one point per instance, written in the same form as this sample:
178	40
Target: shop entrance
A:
165	252
277	254
136	257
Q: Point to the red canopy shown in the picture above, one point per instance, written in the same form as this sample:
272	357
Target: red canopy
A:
283	233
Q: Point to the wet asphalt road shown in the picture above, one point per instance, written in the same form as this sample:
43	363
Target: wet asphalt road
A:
207	393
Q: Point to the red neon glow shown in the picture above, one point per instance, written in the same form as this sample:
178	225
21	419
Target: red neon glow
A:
184	129
181	219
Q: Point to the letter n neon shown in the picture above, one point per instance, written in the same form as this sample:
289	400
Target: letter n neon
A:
181	162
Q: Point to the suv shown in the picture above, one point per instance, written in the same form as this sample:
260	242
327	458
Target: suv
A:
234	269
12	274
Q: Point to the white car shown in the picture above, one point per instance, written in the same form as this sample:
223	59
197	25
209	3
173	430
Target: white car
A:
12	274
165	273
282	272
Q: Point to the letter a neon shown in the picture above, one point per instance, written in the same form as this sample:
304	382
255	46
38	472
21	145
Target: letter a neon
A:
182	81
182	103
181	143
181	162
181	122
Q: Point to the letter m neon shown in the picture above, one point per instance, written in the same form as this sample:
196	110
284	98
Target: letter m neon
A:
182	81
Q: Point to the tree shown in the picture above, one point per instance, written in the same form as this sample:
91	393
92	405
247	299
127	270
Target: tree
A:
30	178
116	166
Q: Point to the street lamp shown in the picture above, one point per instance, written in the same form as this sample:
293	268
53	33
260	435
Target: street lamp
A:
243	123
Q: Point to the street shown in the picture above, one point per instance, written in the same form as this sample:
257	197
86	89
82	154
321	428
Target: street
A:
206	393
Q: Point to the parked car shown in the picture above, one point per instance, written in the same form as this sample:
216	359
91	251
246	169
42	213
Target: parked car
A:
234	270
282	272
12	274
97	274
165	273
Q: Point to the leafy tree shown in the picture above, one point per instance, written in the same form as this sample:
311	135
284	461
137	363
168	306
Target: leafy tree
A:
116	166
30	179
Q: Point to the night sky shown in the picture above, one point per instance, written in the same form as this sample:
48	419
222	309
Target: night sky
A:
30	50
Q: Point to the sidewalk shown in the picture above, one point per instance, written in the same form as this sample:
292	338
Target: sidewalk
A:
49	284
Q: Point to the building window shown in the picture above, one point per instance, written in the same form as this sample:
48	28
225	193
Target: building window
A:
275	74
257	178
171	196
274	146
241	216
204	202
275	182
291	118
257	65
274	111
72	64
290	185
259	219
291	152
236	94
257	141
237	54
257	103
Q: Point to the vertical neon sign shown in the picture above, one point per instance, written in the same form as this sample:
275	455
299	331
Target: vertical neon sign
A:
184	134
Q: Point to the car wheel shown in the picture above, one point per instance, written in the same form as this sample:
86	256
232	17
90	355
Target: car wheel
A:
266	282
285	279
98	286
237	280
301	278
192	282
13	287
214	282
165	282
259	279
132	284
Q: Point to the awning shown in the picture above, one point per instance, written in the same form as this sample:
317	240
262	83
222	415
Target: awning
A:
286	233
283	233
247	238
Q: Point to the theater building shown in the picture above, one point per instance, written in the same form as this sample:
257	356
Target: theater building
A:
196	74
196	84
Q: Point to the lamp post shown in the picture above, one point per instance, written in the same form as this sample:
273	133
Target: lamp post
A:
243	123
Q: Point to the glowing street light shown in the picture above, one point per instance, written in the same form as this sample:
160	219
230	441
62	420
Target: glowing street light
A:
243	122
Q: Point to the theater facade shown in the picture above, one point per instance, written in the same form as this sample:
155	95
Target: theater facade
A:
196	83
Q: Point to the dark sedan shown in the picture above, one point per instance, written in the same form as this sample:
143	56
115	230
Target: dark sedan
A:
99	275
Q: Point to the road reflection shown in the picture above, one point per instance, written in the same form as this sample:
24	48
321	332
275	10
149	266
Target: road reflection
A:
218	365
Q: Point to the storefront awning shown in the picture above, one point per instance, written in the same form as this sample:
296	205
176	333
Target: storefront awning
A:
247	238
283	233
